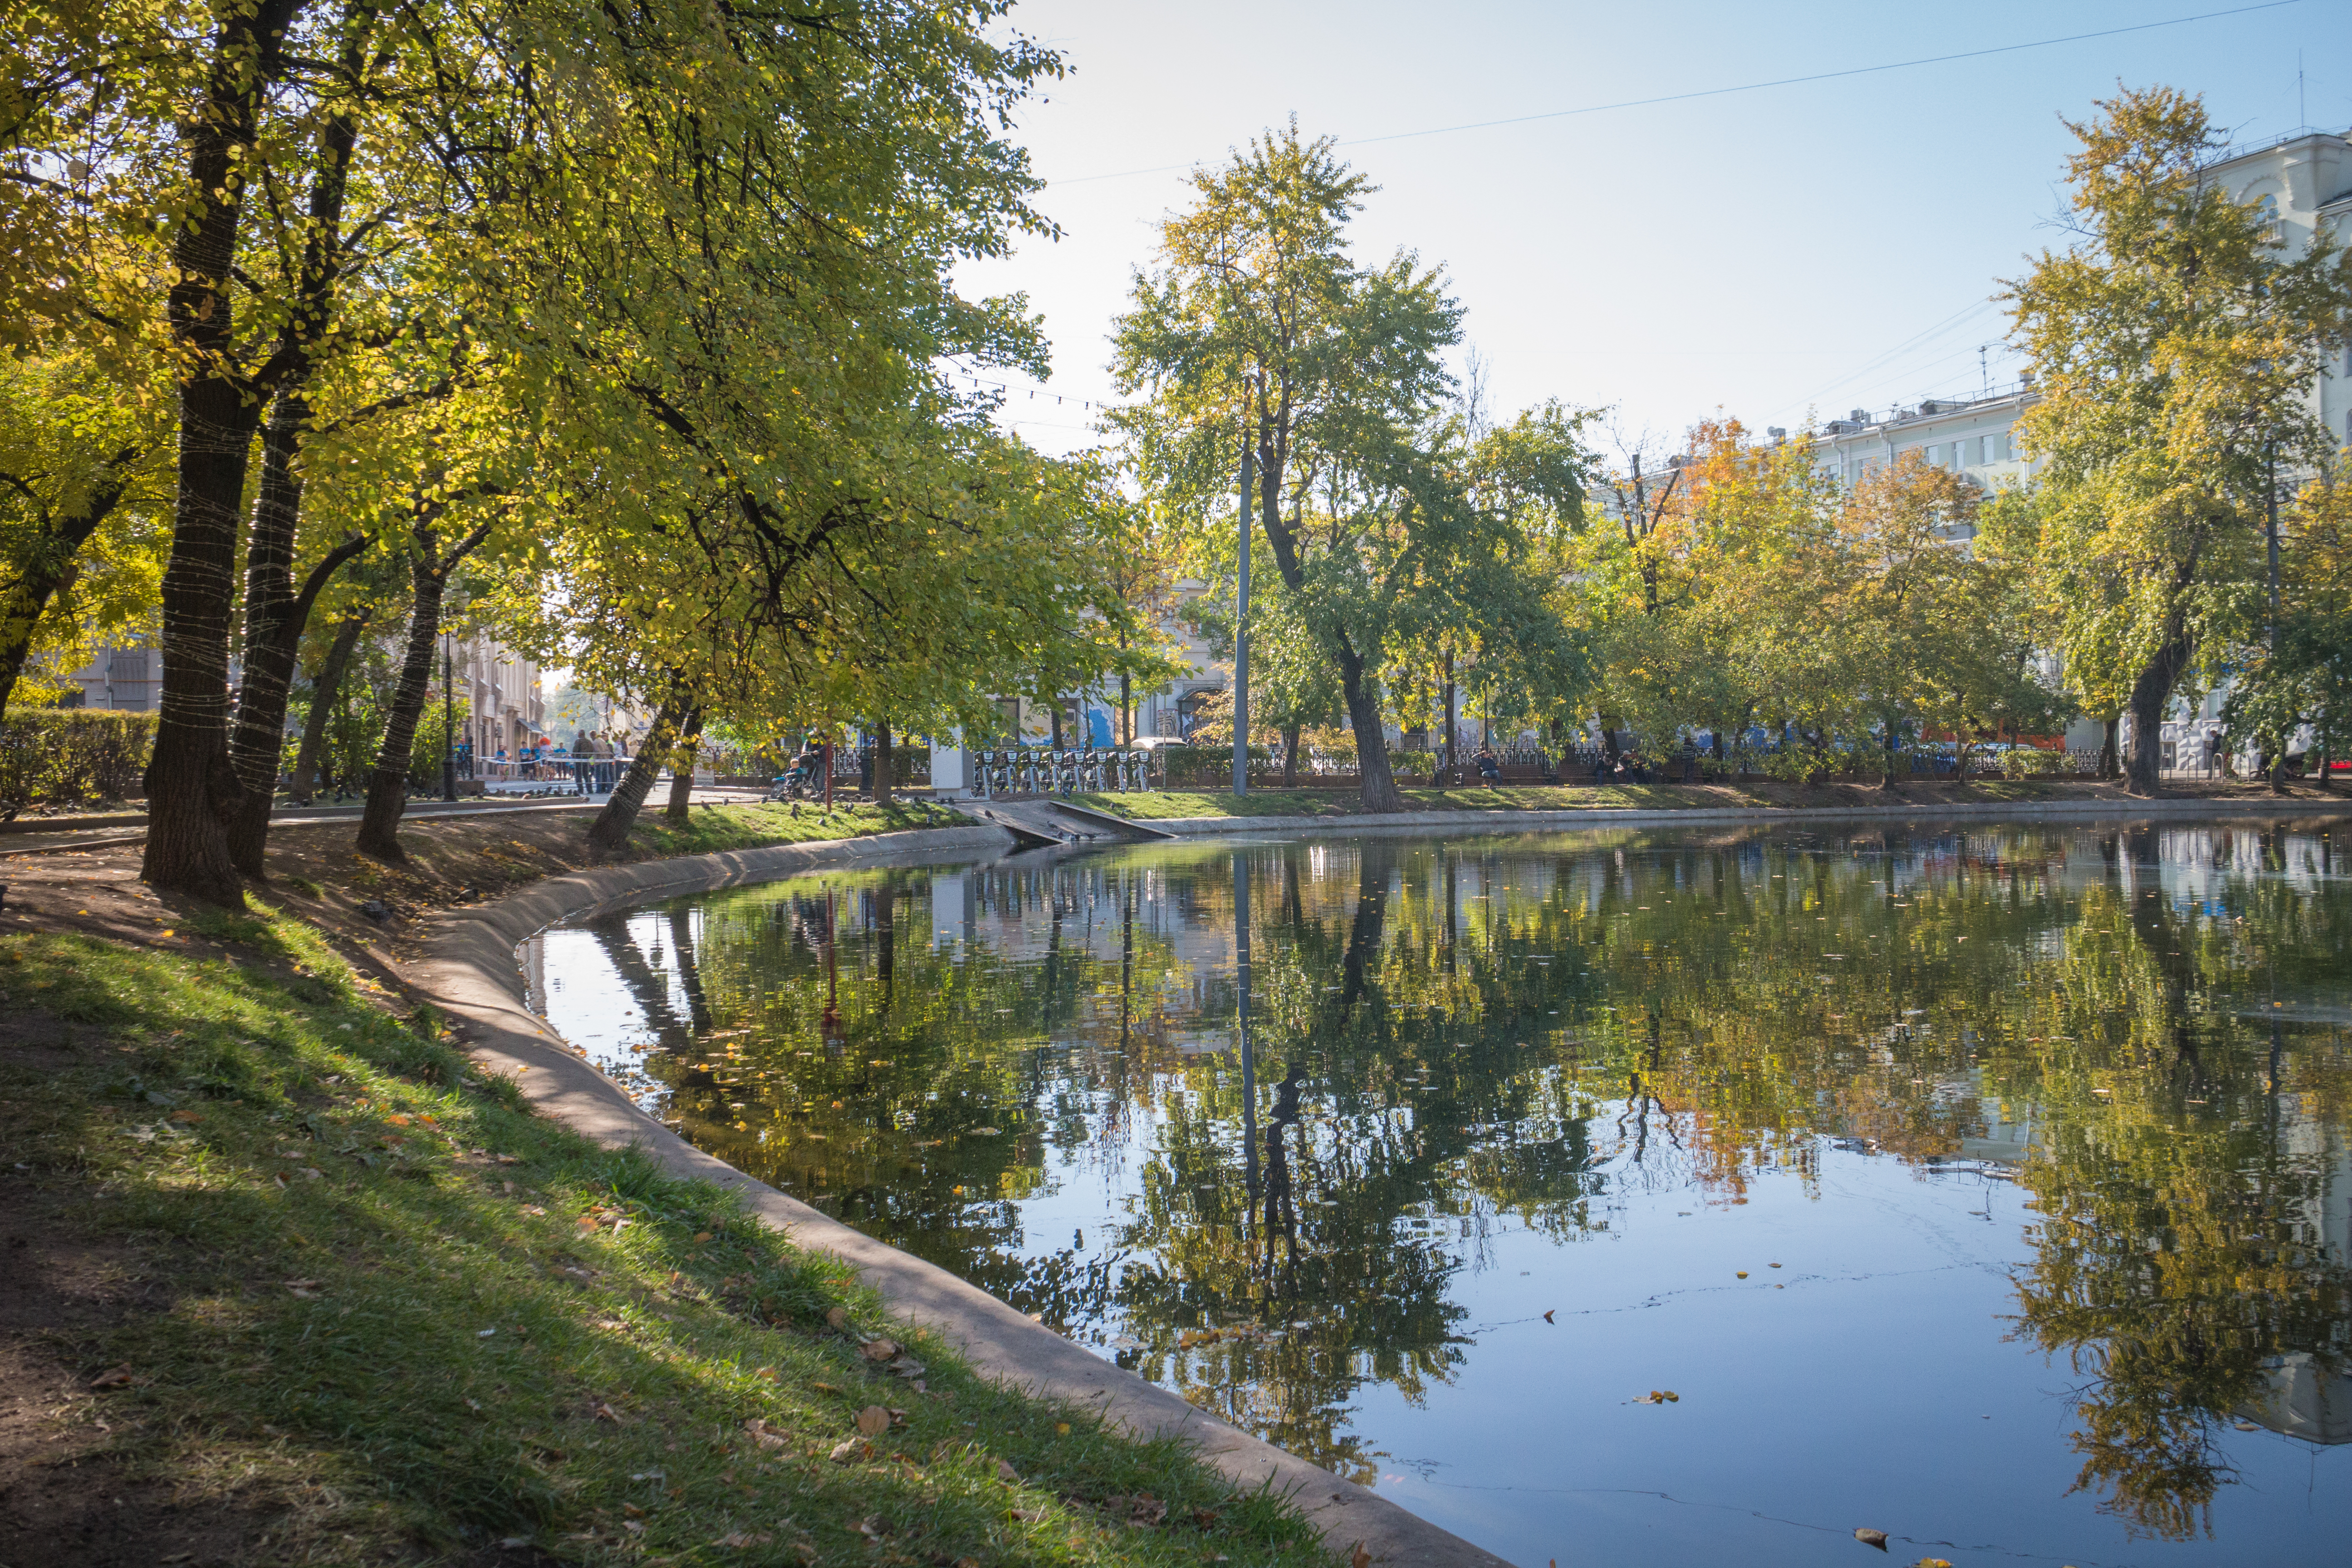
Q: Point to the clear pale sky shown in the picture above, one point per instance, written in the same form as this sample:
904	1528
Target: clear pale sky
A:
1763	252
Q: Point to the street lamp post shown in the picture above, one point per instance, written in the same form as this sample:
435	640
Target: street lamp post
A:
449	724
1241	628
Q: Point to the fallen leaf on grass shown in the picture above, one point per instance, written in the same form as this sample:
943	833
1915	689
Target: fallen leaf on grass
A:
185	1116
758	1427
873	1421
737	1541
871	1528
837	1318
1007	1473
1869	1537
824	1388
113	1377
880	1350
303	1287
604	1411
843	1452
532	1209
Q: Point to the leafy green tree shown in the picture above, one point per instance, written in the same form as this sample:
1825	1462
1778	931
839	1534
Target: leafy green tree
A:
1258	328
81	489
2175	349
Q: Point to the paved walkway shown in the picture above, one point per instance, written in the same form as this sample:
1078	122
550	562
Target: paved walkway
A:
38	837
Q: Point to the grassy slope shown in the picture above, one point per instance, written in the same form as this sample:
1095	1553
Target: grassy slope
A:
401	1323
1646	797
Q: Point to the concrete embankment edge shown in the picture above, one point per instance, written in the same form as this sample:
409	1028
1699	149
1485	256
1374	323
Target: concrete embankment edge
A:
1465	824
469	969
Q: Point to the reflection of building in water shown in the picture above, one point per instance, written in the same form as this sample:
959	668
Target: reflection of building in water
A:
2003	1142
2304	1400
2306	1397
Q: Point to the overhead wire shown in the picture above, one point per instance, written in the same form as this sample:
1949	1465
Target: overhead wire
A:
1743	87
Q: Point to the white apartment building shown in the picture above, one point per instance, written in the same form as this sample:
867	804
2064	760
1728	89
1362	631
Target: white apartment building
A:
2303	183
501	690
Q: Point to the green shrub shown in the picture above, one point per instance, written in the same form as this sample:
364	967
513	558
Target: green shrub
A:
65	756
2029	762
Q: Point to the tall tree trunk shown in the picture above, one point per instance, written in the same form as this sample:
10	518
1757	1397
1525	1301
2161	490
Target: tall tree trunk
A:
192	789
48	565
2108	765
387	797
275	615
323	691
881	761
610	828
681	766
1377	785
1290	756
2150	695
1448	753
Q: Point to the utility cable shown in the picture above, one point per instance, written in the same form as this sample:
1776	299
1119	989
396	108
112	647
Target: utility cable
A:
1743	87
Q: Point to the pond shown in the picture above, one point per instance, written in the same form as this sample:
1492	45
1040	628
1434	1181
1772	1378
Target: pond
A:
1612	1196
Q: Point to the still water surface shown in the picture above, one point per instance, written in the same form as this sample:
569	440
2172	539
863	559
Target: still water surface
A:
1988	1186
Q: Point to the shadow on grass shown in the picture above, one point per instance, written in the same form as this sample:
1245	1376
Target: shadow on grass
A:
404	1309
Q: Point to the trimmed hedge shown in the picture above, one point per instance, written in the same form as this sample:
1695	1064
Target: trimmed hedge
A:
65	756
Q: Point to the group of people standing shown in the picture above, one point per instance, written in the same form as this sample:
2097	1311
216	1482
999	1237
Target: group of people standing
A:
596	763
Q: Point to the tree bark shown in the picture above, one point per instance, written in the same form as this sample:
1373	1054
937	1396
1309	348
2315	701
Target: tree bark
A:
324	692
881	762
387	797
275	615
191	788
1290	756
2151	693
681	766
2108	766
611	829
48	566
1376	784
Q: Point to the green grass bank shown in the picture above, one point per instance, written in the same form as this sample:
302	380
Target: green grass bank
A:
317	1292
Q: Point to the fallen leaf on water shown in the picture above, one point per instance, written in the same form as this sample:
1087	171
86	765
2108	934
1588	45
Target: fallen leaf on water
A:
1548	1315
1771	1265
873	1421
1872	1538
1743	1273
1937	1561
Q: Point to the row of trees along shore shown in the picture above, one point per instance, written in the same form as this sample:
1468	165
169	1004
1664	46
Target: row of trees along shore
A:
624	325
630	334
1418	543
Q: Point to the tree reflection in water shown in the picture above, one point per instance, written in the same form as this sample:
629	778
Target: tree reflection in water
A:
1314	1079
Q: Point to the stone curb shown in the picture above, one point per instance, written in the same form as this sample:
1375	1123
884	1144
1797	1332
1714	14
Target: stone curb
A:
1506	821
471	972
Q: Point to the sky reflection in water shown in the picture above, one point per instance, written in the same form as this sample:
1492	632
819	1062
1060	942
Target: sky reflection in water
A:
1988	1186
